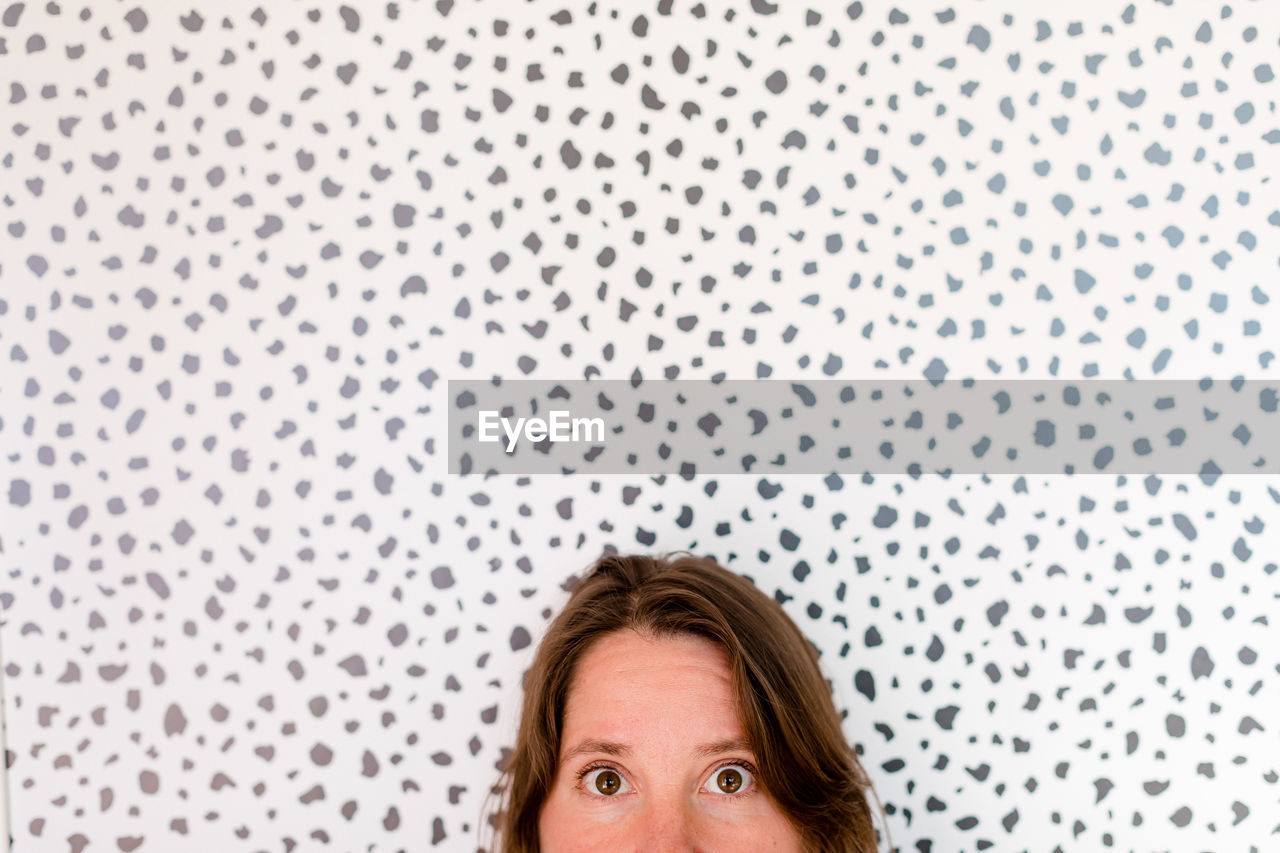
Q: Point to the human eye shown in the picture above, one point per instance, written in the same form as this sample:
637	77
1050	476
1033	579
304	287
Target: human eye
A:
602	780
735	779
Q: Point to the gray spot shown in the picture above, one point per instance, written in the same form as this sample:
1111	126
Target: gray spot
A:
1201	663
182	532
650	98
1046	433
885	516
58	342
1184	526
997	611
1134	99
571	156
979	37
130	217
19	492
403	215
321	755
354	665
158	585
1138	614
137	20
112	671
865	684
174	721
1157	155
271	224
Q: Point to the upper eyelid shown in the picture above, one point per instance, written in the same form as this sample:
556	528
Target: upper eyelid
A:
581	776
600	765
745	763
735	762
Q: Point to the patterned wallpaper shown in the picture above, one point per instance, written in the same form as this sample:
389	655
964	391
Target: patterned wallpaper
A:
245	604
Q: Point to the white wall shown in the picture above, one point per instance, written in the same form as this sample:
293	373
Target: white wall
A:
183	349
4	780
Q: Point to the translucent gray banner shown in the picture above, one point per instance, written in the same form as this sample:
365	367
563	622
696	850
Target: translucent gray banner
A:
1029	426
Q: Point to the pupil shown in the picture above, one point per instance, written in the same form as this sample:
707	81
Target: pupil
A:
607	782
730	781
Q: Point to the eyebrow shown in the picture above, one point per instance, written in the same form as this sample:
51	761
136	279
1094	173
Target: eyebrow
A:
620	750
722	746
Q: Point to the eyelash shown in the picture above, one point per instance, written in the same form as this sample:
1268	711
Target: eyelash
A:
743	763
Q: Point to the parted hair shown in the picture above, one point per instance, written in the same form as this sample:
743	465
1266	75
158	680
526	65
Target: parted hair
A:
791	723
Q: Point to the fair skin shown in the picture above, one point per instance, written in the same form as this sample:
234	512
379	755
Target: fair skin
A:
654	756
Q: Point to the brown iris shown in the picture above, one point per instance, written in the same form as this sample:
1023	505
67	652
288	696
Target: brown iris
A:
729	780
608	782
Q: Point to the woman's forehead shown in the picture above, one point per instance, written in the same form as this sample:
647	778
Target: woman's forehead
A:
628	681
633	651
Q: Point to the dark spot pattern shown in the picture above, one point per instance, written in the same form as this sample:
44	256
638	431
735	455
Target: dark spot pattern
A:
242	605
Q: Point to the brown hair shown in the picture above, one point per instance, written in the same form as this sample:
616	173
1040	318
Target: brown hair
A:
805	764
